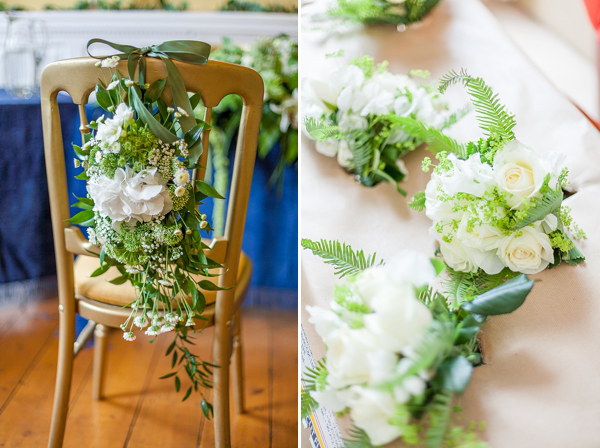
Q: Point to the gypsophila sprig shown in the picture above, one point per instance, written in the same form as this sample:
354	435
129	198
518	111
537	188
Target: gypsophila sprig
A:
352	116
496	204
396	354
141	210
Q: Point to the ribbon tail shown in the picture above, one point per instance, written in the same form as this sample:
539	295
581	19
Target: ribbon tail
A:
180	96
157	129
122	48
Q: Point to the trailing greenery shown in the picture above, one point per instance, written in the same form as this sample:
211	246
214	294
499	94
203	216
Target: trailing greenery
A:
119	5
342	257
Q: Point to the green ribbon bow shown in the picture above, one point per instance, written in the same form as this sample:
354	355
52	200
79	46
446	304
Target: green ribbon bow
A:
189	51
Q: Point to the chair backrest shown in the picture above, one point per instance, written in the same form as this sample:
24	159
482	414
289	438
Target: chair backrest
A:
215	80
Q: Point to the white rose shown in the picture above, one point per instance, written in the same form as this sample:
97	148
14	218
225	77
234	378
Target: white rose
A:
130	196
468	176
371	281
520	171
109	131
456	255
436	209
410	266
333	399
529	253
371	410
328	148
325	321
123	114
344	155
399	318
354	356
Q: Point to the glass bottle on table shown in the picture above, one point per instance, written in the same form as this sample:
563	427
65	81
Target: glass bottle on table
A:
24	49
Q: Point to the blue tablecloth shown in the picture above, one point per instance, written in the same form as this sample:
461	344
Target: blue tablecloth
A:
26	246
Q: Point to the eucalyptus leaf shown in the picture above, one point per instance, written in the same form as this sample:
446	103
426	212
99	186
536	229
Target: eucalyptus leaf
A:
454	374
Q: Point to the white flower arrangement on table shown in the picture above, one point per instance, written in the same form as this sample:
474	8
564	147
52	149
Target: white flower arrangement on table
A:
349	116
496	204
385	12
396	352
142	208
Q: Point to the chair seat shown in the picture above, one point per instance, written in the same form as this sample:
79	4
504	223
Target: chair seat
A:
101	290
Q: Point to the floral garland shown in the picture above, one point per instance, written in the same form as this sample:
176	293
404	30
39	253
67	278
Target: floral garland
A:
496	203
396	351
352	117
142	207
385	12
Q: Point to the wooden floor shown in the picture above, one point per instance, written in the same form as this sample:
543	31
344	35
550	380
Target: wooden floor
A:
139	409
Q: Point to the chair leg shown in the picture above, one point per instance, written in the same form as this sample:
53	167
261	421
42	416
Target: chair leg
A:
64	372
221	355
238	365
100	336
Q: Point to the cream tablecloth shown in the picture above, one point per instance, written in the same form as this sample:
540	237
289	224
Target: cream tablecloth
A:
540	385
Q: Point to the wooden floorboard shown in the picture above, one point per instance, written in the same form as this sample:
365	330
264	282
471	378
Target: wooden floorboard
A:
140	410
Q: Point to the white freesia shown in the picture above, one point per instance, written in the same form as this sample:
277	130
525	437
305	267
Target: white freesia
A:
379	101
528	251
521	172
371	410
130	196
112	85
399	319
325	321
123	114
109	132
468	176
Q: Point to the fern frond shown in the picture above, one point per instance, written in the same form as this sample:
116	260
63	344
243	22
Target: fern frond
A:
543	206
359	143
320	131
314	377
344	259
357	438
436	140
418	202
439	415
308	404
456	116
491	115
465	286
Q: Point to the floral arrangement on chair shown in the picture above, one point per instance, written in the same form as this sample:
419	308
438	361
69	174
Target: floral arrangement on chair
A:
496	204
397	352
142	203
349	116
385	12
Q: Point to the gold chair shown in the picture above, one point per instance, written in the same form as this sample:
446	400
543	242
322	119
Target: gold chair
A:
103	303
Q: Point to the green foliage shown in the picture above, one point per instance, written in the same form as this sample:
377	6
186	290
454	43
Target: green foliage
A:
320	131
550	202
308	404
439	417
382	12
436	140
119	5
236	5
357	438
502	299
418	202
492	116
465	286
343	258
